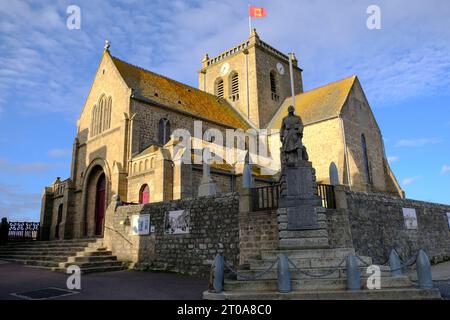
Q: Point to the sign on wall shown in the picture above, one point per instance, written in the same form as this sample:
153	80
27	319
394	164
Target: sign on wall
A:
177	222
140	224
448	219
410	218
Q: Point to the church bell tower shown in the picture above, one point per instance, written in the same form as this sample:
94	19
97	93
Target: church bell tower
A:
253	77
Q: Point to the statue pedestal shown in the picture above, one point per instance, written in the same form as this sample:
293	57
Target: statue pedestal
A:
299	196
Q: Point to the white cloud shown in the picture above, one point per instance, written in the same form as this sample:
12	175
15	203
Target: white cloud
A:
59	153
411	180
393	159
26	168
417	142
445	169
170	37
18	205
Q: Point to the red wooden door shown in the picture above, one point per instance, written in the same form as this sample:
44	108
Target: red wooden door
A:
145	195
100	205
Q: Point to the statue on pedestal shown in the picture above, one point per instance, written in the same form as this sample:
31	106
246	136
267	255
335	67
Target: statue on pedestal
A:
291	136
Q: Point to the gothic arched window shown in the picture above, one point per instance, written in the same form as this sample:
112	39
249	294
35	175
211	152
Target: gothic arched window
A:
219	88
164	131
101	116
366	159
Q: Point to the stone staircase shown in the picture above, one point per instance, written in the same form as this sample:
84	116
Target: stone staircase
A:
89	254
309	250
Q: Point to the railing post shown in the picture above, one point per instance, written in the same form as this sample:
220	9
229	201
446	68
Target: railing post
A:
284	275
424	276
218	274
395	264
353	274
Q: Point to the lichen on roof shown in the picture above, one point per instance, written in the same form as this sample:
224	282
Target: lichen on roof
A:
319	104
179	96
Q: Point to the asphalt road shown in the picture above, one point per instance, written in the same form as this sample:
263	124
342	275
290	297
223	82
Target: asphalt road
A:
125	285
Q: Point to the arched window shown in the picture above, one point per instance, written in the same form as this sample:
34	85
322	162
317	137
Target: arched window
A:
234	89
274	86
144	194
366	159
58	221
219	88
101	116
164	131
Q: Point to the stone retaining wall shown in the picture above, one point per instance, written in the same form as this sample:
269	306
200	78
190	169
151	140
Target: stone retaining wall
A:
377	225
213	228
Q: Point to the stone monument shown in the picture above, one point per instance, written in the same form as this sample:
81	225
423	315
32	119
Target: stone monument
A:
207	186
298	188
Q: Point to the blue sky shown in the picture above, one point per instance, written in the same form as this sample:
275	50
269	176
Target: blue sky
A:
46	71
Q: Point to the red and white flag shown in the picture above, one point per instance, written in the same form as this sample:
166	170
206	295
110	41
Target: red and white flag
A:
257	12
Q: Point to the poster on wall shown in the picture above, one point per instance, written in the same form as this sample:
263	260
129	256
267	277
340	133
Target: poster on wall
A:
410	218
448	219
140	224
177	222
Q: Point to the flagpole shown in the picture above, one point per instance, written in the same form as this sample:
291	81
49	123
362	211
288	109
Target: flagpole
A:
291	71
249	20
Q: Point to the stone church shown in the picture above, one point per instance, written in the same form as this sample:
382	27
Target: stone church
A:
124	146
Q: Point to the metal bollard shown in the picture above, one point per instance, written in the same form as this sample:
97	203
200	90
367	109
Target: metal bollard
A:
218	273
353	274
284	275
395	263
424	276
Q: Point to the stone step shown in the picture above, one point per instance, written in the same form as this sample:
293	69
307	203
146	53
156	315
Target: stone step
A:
284	226
78	259
282	218
297	275
38	263
258	264
387	294
54	242
310	284
58	252
320	233
98	269
48	247
309	253
20	256
304	243
88	253
90	264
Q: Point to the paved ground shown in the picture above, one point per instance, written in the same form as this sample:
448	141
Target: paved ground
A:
108	285
136	285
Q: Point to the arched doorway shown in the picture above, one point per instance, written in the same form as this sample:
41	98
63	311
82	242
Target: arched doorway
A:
144	194
100	199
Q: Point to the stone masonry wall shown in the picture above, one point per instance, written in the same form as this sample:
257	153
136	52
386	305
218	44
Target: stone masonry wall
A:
377	225
213	228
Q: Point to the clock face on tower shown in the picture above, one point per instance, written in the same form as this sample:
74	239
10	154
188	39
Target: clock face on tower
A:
280	68
224	69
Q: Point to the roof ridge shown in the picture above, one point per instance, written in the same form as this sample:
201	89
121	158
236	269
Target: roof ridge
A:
165	77
328	84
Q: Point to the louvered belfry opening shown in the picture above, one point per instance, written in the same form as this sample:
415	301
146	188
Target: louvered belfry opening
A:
234	87
219	89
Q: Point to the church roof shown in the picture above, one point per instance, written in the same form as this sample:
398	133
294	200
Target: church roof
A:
319	104
179	96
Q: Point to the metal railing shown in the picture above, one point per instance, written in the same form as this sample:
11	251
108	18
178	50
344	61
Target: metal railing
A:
23	231
265	198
